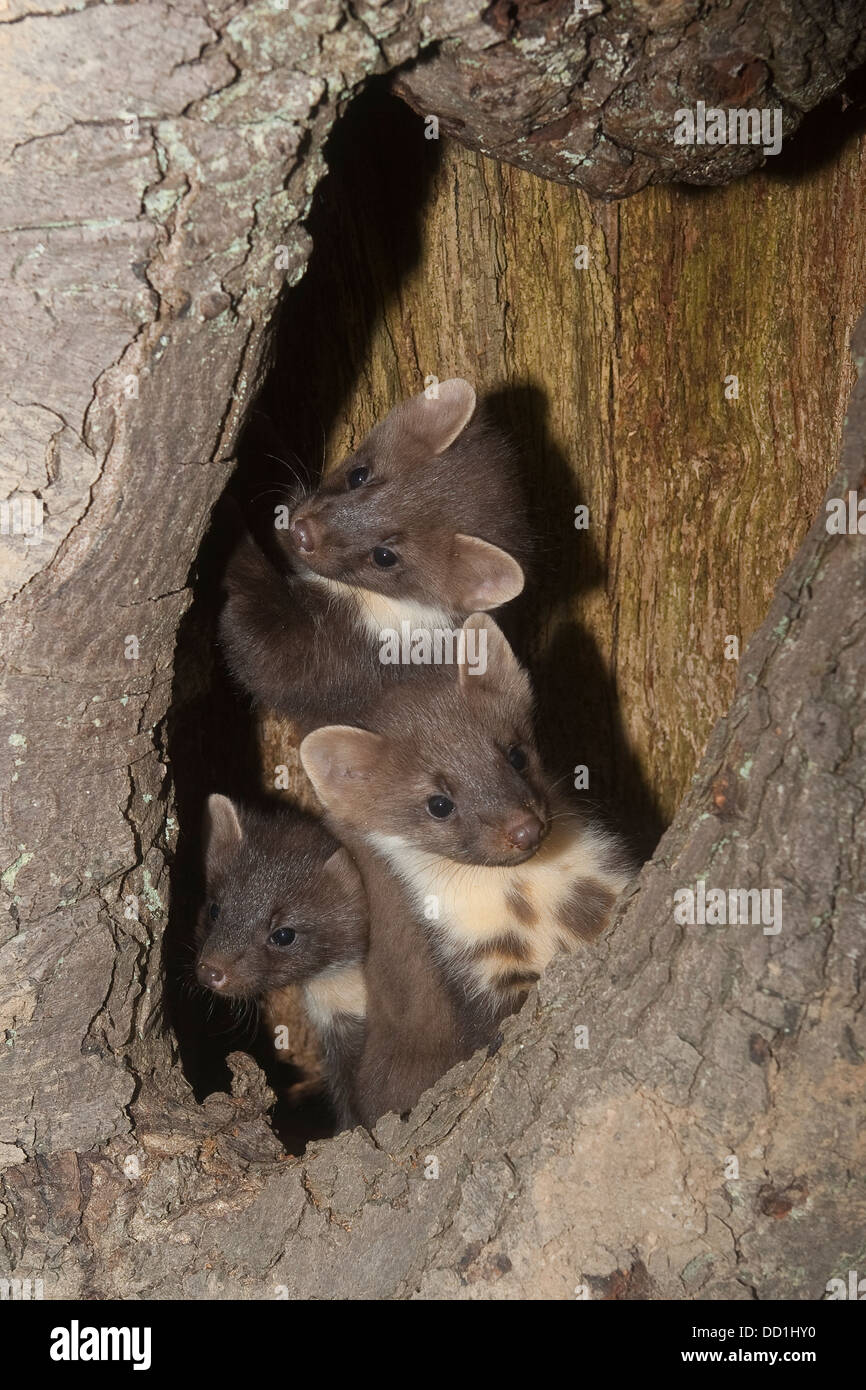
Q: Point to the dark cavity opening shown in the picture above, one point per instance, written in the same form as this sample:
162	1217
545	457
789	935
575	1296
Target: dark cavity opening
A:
367	224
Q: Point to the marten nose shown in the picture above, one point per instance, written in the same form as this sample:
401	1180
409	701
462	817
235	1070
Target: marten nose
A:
524	833
305	533
211	976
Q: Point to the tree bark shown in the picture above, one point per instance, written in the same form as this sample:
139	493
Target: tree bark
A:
146	259
592	93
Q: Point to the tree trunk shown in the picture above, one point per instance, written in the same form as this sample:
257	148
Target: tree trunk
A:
154	220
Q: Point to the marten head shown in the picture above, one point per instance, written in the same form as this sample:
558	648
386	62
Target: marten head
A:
428	509
448	763
284	901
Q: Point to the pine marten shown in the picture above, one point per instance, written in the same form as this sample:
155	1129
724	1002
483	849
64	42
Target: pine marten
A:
285	905
477	872
423	524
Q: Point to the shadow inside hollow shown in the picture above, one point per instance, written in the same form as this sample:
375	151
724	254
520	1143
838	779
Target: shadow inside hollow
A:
578	705
822	131
366	228
211	747
366	225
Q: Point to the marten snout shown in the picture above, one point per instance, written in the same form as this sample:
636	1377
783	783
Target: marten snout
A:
210	975
306	533
224	975
525	832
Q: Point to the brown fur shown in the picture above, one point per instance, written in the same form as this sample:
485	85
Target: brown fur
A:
521	906
508	946
282	868
416	1028
517	981
438	988
586	911
440	735
447	504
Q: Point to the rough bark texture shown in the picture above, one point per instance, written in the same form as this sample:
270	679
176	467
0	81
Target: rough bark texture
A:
145	264
587	92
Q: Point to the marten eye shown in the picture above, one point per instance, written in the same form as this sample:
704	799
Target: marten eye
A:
213	911
440	807
383	557
283	936
517	758
357	477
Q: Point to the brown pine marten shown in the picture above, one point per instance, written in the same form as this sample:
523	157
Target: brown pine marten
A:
477	873
285	905
424	524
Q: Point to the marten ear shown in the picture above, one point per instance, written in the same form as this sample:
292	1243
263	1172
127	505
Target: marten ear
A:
483	576
435	420
221	833
342	763
342	868
487	663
